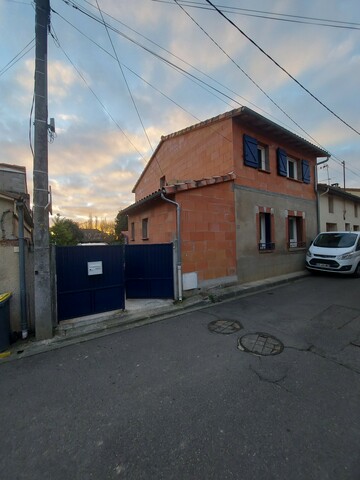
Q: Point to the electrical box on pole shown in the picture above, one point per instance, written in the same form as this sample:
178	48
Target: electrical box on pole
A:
42	275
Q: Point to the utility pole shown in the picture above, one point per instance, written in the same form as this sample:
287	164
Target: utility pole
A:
43	311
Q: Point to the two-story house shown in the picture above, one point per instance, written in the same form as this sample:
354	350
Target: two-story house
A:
237	191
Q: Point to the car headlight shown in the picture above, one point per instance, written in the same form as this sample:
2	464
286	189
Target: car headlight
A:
346	256
308	254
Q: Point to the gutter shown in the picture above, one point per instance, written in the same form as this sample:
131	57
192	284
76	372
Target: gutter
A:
178	235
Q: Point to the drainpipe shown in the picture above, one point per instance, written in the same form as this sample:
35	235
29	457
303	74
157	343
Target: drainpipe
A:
20	212
178	235
317	194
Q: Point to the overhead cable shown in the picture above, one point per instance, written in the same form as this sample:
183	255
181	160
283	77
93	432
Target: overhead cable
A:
282	68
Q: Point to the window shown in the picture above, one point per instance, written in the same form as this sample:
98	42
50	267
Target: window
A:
132	232
296	232
255	154
347	227
145	222
331	204
355	210
292	168
265	231
356	228
263	158
331	227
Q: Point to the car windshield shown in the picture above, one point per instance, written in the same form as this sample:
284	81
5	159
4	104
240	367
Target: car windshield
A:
335	240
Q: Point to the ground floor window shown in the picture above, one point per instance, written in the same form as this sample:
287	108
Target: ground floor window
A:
266	230
145	227
296	227
331	227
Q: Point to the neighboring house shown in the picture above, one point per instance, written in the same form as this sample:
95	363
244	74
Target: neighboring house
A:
339	209
16	259
245	189
93	235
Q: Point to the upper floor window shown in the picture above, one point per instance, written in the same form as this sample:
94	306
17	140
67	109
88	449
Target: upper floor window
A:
132	231
355	210
256	155
331	204
292	168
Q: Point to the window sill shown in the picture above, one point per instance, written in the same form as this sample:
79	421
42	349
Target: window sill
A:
145	238
264	171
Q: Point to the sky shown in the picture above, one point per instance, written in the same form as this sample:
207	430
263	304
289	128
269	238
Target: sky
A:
160	66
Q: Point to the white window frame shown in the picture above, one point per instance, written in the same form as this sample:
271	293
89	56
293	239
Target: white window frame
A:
294	163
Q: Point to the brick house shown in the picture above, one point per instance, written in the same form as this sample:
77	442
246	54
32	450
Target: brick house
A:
244	188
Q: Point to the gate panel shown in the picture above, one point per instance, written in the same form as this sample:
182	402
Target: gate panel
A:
80	294
149	271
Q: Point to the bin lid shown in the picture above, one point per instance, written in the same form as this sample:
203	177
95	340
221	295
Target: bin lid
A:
4	296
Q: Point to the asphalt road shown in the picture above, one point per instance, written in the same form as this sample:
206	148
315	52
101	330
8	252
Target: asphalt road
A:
172	400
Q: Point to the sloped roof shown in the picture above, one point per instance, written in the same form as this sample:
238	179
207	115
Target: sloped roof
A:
338	192
253	121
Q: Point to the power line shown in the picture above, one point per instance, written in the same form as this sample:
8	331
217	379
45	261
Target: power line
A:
243	71
124	77
28	47
281	68
56	41
172	65
277	16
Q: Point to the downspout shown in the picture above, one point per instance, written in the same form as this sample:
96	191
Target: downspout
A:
317	194
24	325
178	235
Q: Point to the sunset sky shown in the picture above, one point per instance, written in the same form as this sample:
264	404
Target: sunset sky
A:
168	65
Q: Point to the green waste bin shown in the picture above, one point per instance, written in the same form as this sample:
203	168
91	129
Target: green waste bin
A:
4	321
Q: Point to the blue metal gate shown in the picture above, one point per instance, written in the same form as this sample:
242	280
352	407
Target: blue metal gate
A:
149	271
90	279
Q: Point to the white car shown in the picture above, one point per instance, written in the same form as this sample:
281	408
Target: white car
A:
337	252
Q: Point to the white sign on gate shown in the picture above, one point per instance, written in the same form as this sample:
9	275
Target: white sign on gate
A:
95	268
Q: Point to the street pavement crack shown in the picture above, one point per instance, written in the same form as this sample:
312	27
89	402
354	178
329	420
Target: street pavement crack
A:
275	382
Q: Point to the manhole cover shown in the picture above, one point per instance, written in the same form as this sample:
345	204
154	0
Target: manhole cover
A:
260	344
226	327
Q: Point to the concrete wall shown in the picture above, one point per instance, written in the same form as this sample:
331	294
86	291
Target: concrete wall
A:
345	215
253	264
9	281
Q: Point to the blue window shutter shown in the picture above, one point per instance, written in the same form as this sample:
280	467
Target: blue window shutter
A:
250	152
305	171
282	162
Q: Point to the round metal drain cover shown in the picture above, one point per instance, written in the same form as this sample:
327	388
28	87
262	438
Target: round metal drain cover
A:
260	344
226	327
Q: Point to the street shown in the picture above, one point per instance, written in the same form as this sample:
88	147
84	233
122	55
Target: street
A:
174	400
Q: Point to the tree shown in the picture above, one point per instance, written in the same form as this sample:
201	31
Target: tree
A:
65	232
121	225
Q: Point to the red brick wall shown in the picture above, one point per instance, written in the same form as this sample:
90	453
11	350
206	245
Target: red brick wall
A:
207	229
199	153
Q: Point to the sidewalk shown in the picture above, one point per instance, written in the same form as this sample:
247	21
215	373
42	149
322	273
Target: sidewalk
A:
138	312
